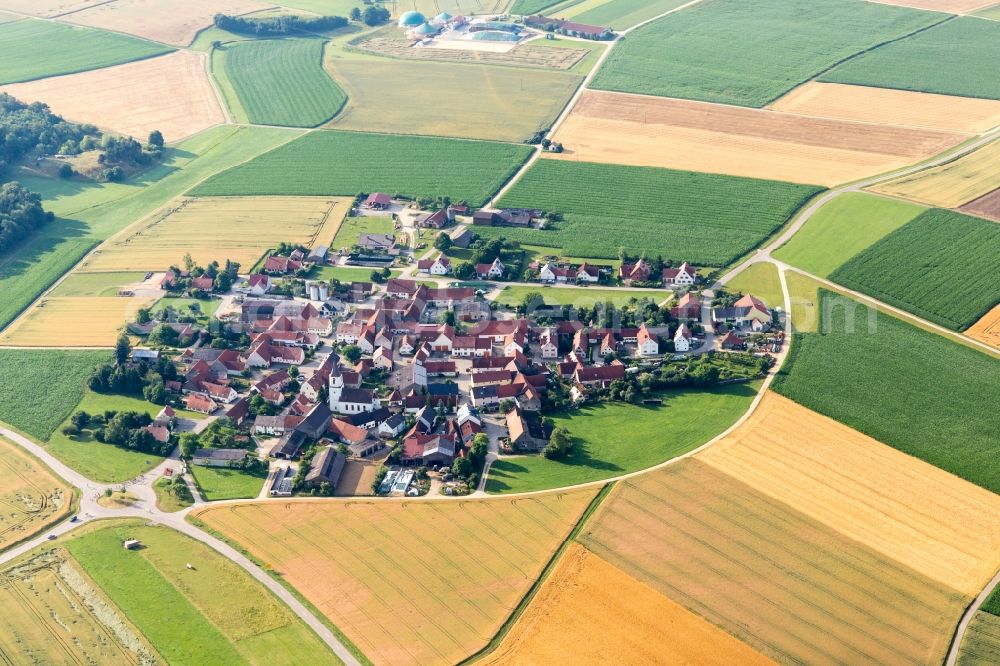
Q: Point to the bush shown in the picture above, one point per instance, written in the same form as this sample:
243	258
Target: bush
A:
66	171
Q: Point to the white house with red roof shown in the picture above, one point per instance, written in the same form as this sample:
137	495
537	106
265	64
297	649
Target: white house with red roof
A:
683	339
648	342
681	276
438	266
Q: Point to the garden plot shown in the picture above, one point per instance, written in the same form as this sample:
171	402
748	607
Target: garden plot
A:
911	512
131	99
73	322
784	583
891	107
714	138
176	22
240	229
388	574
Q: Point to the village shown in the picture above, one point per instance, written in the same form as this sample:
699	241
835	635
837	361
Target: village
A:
411	382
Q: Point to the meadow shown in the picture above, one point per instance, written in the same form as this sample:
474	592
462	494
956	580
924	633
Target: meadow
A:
96	284
85	321
929	520
951	184
89	213
220	483
886	378
527	7
601	615
804	292
241	229
54	614
761	280
900	268
787	585
958	57
756	143
469	561
578	297
27	50
31	496
705	219
352	227
749	54
62	373
498	103
345	273
128	99
842	228
212	613
611	439
891	107
277	82
345	163
619	14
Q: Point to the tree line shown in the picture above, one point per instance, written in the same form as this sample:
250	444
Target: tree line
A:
21	213
273	26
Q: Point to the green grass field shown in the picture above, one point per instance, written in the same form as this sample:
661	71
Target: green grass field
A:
527	7
91	212
749	54
167	498
762	281
940	266
579	297
212	613
908	388
104	462
842	228
32	49
957	58
330	162
41	387
345	273
96	284
277	82
219	483
621	14
992	13
616	438
705	219
352	228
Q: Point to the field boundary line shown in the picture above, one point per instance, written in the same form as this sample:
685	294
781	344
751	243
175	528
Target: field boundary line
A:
220	99
966	619
536	586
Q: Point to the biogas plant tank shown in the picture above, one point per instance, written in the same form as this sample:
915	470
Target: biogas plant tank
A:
411	20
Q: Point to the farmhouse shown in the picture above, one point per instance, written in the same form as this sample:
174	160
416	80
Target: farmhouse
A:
218	457
439	266
748	311
289	445
649	344
683	339
377	201
428	449
377	242
199	403
682	276
634	272
525	430
490	271
508	217
326	467
688	307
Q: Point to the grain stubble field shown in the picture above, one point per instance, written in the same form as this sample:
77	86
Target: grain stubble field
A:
714	138
129	99
31	497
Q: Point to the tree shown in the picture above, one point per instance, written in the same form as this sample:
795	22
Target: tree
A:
560	443
448	317
155	139
142	316
293	372
531	301
71	431
465	271
189	444
373	15
66	171
81	419
506	405
356	14
122	350
352	353
443	242
461	467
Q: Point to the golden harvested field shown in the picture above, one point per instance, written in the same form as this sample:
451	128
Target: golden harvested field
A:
987	329
953	184
55	614
129	99
789	586
715	138
47	8
238	228
31	497
910	511
408	582
176	22
891	107
73	322
950	6
599	614
981	645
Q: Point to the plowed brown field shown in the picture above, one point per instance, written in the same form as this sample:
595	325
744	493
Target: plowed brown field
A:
891	107
715	138
987	206
170	93
950	6
904	508
789	586
987	329
422	582
176	22
600	615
